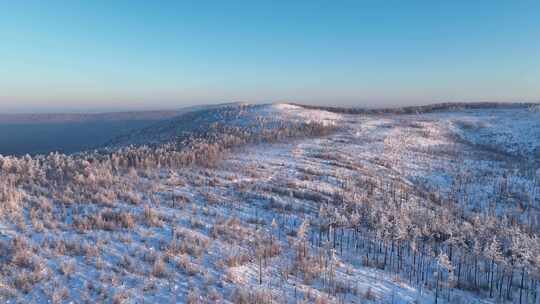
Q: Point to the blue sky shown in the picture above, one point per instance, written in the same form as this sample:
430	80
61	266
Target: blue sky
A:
123	55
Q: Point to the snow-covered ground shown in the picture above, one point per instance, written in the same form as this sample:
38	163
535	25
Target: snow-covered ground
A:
257	227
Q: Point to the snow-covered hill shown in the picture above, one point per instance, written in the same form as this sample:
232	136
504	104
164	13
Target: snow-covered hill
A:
241	117
297	205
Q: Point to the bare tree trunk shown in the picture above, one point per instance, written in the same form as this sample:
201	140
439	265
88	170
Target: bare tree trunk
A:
521	284
260	270
509	286
459	271
437	288
491	279
475	272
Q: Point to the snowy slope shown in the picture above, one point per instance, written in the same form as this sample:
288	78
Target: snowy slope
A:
304	220
516	132
244	117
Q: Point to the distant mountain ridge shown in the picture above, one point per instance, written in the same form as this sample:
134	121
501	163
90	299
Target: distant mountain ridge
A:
85	117
36	118
436	107
29	118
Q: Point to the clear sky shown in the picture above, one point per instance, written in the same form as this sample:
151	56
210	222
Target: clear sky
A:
115	55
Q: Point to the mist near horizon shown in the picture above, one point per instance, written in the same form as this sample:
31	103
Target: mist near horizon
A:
50	112
43	138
